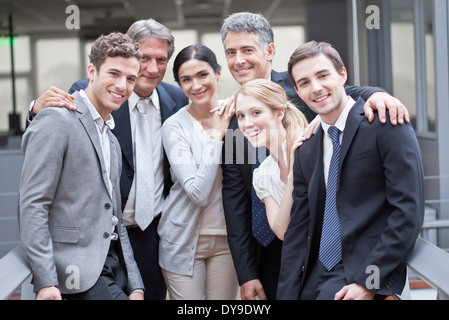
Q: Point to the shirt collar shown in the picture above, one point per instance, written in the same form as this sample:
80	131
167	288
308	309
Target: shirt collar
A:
341	121
134	98
109	121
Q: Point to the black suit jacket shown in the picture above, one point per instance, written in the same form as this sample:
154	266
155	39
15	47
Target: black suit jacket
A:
171	99
380	201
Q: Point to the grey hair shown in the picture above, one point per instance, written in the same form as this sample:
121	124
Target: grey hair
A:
150	28
249	22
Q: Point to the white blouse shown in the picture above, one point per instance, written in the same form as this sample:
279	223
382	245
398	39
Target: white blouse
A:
267	179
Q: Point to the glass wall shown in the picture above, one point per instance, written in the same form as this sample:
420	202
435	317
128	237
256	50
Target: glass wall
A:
403	55
23	72
57	63
413	61
429	44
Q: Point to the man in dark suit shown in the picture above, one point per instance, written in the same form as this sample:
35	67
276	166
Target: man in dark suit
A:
157	46
249	49
358	199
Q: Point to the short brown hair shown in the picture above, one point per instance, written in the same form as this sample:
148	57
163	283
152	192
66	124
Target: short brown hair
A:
113	45
312	49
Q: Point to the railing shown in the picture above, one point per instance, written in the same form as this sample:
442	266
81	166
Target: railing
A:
14	272
430	264
427	261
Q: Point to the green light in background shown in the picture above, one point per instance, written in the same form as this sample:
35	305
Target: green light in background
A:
4	41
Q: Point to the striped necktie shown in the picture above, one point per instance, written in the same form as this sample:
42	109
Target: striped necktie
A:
330	244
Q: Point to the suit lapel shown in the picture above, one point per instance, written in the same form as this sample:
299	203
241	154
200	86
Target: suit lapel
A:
89	125
166	103
115	168
317	188
277	78
355	117
122	132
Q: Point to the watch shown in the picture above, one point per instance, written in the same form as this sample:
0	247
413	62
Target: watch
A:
30	110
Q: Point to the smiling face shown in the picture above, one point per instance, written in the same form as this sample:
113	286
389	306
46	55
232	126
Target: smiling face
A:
198	81
321	86
112	85
246	60
258	122
154	64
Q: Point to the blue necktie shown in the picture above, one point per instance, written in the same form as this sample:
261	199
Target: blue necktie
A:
330	244
261	229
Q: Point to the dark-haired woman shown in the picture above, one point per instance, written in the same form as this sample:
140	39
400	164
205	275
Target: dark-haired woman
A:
193	250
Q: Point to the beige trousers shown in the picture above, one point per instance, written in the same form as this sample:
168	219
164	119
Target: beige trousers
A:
214	276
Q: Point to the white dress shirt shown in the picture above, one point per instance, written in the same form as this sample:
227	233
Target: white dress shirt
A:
102	129
327	142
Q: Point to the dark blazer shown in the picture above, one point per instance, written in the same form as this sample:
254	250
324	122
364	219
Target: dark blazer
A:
237	184
171	99
380	202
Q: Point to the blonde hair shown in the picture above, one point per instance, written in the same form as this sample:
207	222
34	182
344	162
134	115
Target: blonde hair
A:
273	96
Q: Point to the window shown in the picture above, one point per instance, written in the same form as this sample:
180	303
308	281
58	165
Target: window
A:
58	63
403	55
413	61
22	67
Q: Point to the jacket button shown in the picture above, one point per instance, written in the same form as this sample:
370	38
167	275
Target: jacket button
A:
105	235
107	206
130	174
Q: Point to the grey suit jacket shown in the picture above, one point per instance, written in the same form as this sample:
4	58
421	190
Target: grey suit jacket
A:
65	208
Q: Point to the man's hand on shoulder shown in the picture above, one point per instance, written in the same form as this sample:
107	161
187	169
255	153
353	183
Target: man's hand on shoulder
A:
54	97
381	101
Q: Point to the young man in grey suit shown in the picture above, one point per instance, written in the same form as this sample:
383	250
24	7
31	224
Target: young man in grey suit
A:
70	214
157	46
358	198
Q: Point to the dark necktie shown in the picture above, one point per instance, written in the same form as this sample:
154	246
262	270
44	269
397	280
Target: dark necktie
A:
330	244
261	229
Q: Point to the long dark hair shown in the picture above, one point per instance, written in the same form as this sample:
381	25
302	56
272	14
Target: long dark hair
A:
195	51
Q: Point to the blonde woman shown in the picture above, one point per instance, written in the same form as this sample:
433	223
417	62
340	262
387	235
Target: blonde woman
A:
268	119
